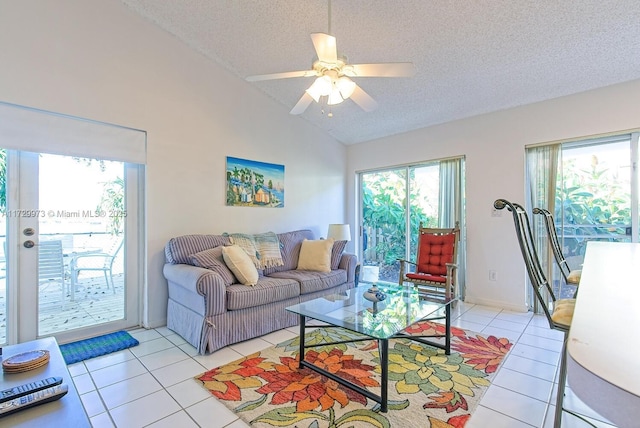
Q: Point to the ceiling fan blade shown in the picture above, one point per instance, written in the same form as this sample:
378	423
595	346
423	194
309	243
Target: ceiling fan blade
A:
302	104
390	69
326	48
284	75
363	99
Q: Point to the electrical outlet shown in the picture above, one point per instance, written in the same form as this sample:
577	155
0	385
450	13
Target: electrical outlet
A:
493	276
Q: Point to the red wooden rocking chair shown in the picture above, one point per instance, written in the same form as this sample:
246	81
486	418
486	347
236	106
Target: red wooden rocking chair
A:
436	265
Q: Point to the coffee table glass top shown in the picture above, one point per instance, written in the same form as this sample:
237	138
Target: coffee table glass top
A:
403	306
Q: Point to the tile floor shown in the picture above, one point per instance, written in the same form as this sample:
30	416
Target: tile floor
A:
152	385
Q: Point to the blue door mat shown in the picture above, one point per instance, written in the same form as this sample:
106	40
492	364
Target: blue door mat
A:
96	346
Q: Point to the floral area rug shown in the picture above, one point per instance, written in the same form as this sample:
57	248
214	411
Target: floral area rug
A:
426	387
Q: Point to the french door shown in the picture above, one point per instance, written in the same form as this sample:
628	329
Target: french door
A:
71	226
65	256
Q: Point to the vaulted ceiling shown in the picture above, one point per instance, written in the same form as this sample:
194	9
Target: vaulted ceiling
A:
471	56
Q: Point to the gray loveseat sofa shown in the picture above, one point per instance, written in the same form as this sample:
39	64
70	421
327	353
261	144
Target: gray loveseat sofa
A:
210	310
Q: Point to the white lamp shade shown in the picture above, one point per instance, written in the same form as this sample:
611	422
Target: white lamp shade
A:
346	86
321	87
339	232
342	89
335	98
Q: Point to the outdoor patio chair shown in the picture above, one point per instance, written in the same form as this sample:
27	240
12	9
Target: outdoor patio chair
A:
98	261
570	276
559	312
51	265
436	266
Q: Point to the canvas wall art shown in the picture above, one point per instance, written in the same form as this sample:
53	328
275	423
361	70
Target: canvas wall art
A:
254	184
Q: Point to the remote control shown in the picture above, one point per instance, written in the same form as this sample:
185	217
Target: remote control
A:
28	388
34	399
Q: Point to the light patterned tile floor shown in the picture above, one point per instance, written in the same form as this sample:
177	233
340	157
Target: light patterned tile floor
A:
152	385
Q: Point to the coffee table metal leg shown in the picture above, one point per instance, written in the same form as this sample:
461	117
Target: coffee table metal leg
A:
383	346
447	330
302	329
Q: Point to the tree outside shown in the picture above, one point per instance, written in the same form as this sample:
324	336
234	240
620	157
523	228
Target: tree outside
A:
384	215
593	202
112	201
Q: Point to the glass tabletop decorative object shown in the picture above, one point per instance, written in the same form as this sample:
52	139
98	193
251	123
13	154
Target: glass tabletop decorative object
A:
374	294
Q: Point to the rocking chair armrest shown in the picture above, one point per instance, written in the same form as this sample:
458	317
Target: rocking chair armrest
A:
452	274
403	269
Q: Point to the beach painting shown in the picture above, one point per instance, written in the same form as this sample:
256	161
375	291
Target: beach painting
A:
254	184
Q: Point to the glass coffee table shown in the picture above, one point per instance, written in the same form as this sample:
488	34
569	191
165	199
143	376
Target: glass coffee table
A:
403	306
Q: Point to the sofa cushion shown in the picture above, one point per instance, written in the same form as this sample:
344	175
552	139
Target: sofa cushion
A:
315	255
290	243
240	264
336	253
179	249
212	259
267	290
311	281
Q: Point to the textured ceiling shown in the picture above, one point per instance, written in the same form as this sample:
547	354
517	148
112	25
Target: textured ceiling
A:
471	56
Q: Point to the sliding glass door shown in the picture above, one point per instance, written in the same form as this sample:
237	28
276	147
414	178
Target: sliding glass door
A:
591	188
393	204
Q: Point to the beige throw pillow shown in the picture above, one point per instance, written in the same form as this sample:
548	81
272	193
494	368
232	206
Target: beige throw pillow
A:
240	264
315	255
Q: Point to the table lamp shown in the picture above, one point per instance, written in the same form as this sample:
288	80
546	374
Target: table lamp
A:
339	232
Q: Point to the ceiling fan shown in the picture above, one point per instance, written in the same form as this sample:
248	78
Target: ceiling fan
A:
333	76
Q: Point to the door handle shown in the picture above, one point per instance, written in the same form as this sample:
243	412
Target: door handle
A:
29	244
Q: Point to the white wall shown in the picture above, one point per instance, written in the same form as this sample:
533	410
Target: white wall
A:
494	148
98	60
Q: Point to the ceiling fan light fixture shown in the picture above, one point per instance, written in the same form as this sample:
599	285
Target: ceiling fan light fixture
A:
321	87
346	86
342	89
335	98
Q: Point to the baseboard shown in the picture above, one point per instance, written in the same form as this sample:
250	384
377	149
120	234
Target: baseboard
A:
155	324
496	304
